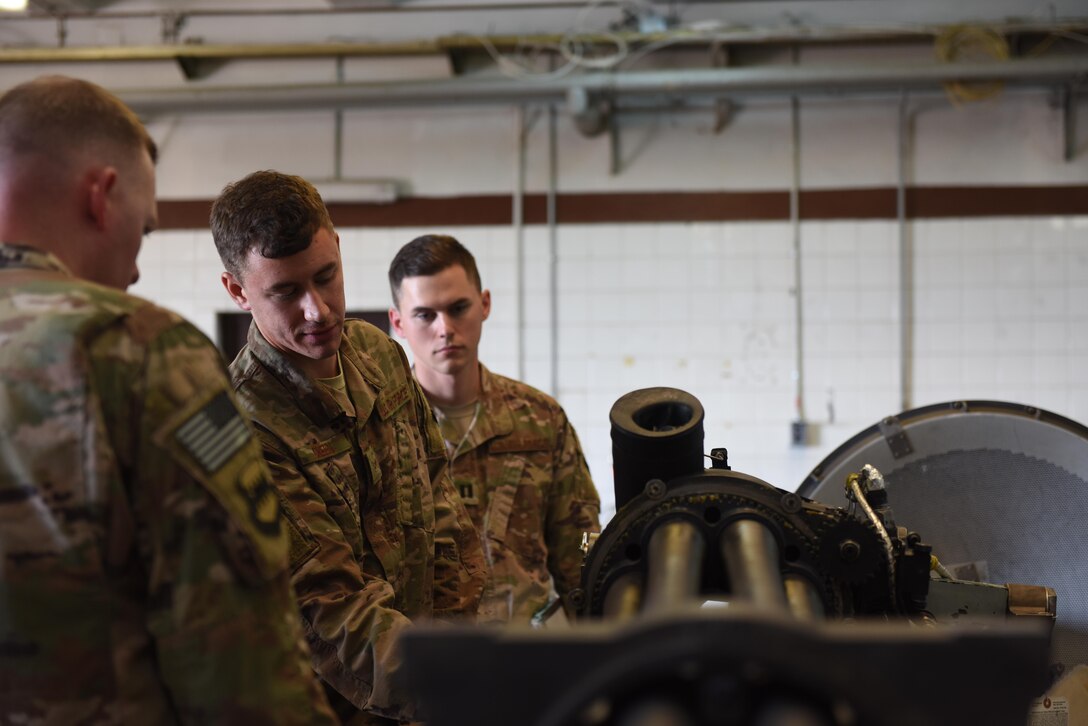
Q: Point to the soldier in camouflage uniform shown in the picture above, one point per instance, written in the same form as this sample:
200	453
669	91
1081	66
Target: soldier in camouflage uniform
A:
379	537
516	460
143	553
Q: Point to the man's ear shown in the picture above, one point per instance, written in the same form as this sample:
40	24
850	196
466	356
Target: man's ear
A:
485	301
99	185
394	322
237	293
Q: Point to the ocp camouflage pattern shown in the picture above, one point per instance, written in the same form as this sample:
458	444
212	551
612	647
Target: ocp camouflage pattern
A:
524	481
379	537
144	573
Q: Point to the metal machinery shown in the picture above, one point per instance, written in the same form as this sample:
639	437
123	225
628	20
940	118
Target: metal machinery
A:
999	489
715	598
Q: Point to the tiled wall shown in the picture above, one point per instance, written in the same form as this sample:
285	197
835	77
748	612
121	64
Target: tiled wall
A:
1000	312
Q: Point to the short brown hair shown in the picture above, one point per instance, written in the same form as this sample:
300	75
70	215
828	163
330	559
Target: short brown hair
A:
276	214
53	117
429	255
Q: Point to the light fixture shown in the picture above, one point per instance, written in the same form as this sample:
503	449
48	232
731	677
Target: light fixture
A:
347	190
12	5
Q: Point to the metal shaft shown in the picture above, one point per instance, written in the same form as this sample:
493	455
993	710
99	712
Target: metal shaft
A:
751	559
675	566
804	601
624	597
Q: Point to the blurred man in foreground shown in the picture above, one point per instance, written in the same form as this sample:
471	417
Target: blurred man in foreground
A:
143	553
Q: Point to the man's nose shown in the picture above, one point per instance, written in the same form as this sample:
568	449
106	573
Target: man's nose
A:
314	308
444	325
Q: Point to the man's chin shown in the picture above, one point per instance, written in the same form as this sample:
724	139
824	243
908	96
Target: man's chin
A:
329	349
450	366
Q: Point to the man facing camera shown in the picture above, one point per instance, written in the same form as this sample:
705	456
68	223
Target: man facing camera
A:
143	552
515	458
379	538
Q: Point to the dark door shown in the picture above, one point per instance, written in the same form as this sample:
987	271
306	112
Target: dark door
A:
232	328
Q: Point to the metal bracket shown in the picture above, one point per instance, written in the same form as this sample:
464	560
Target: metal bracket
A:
1068	98
724	108
895	437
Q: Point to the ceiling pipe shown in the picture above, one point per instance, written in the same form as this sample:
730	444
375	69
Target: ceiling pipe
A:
771	80
35	13
467	42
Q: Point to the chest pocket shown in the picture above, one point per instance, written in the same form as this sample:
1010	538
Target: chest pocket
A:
412	489
503	496
331	467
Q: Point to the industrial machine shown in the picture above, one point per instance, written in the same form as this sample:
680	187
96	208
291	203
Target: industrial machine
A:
715	598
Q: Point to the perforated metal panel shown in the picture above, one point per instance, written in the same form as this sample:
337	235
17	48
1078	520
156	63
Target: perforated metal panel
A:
999	484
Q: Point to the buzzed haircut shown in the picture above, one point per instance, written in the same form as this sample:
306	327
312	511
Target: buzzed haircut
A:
429	255
53	117
276	214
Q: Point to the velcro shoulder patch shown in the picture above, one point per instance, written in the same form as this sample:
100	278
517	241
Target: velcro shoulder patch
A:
213	442
214	433
519	442
390	400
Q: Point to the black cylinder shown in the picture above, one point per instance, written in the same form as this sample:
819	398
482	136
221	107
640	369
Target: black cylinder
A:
657	433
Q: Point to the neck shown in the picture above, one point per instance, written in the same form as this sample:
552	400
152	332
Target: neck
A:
313	368
324	368
450	389
46	226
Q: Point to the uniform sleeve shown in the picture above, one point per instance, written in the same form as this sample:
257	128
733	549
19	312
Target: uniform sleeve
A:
573	508
352	626
227	637
460	571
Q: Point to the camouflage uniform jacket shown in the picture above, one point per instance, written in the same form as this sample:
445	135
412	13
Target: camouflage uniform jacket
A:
379	536
143	553
522	477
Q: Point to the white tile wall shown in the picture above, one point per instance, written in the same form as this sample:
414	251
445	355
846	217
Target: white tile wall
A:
1000	312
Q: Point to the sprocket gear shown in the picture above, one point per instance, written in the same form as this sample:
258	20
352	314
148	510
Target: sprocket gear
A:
852	551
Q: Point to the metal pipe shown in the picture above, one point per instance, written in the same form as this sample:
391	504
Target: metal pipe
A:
795	229
906	276
518	219
334	10
803	600
553	245
750	552
624	597
713	81
778	33
338	130
675	566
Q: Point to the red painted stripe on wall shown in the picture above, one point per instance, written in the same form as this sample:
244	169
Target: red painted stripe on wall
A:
621	207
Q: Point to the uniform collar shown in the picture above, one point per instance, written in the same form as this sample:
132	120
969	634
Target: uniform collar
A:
22	257
318	404
495	418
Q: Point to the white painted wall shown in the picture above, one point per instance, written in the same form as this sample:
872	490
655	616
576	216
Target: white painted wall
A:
1001	313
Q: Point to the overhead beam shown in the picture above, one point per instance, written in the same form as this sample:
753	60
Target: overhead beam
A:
467	42
715	82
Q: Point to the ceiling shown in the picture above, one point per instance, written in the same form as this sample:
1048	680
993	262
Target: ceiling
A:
503	50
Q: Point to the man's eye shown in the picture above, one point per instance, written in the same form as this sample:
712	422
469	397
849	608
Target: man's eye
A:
425	317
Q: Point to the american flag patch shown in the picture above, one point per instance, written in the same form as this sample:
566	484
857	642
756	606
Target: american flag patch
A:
214	433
